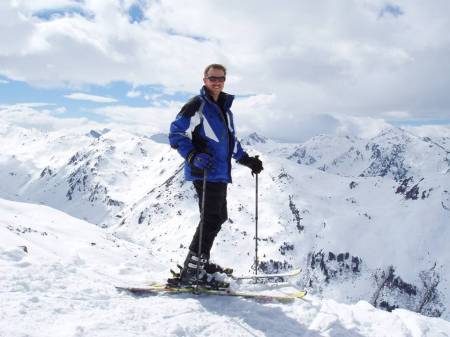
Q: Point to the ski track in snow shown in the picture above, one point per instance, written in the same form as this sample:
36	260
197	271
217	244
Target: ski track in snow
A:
64	286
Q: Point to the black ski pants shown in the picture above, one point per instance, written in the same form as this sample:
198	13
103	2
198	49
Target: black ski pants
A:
215	214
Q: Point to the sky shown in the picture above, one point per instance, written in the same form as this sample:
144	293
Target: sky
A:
297	68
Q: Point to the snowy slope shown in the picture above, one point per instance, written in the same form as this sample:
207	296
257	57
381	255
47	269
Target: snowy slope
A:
89	174
366	219
380	237
26	153
394	153
58	274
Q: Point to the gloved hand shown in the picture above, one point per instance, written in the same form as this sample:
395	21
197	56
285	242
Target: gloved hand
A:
200	160
254	163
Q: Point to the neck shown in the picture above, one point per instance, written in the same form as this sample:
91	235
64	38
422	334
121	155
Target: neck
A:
215	97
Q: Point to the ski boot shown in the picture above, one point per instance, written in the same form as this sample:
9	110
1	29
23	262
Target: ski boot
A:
211	268
187	277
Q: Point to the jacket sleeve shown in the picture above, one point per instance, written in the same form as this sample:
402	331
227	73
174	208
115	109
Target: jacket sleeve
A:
238	151
180	134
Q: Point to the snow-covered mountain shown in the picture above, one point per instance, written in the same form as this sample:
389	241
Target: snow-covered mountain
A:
91	175
360	228
366	219
394	153
58	276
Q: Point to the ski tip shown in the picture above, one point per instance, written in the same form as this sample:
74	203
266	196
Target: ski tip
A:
292	297
300	293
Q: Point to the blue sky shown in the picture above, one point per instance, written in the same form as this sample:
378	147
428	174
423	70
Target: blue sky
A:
14	92
297	70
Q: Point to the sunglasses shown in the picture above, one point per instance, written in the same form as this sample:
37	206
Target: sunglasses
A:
216	78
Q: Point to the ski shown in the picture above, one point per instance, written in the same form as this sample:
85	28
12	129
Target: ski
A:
290	273
156	289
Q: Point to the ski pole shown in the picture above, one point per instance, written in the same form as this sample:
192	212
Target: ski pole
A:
200	231
256	228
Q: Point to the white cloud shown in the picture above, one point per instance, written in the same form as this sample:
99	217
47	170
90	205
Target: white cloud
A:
60	110
134	93
429	130
38	115
263	113
3	81
319	60
397	115
37	5
92	98
156	119
150	120
363	127
47	117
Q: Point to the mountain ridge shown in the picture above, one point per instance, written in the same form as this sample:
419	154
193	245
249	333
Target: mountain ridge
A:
351	211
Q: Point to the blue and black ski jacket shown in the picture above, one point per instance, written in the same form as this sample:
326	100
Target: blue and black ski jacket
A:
203	125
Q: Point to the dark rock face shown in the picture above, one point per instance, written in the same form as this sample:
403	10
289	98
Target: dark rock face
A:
330	266
386	161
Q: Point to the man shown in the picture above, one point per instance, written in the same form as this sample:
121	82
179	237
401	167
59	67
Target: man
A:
204	135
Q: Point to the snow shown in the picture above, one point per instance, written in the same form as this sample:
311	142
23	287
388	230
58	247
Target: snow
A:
64	286
130	218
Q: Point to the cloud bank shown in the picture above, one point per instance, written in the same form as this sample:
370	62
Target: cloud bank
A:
91	98
305	65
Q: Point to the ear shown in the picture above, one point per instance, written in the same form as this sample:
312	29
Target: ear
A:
204	80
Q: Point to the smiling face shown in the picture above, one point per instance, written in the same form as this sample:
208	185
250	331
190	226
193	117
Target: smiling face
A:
214	82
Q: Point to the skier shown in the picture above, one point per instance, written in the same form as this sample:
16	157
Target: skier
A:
204	135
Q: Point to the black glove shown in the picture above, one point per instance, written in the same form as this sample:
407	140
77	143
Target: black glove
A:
254	163
200	160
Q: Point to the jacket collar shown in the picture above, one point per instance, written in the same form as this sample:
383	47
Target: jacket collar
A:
223	96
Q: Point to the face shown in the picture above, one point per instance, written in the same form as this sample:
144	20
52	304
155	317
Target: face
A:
214	81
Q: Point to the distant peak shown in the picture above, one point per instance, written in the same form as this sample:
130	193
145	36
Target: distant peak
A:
254	138
94	134
393	132
161	138
97	134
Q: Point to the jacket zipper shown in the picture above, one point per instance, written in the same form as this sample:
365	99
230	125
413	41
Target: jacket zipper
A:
222	115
